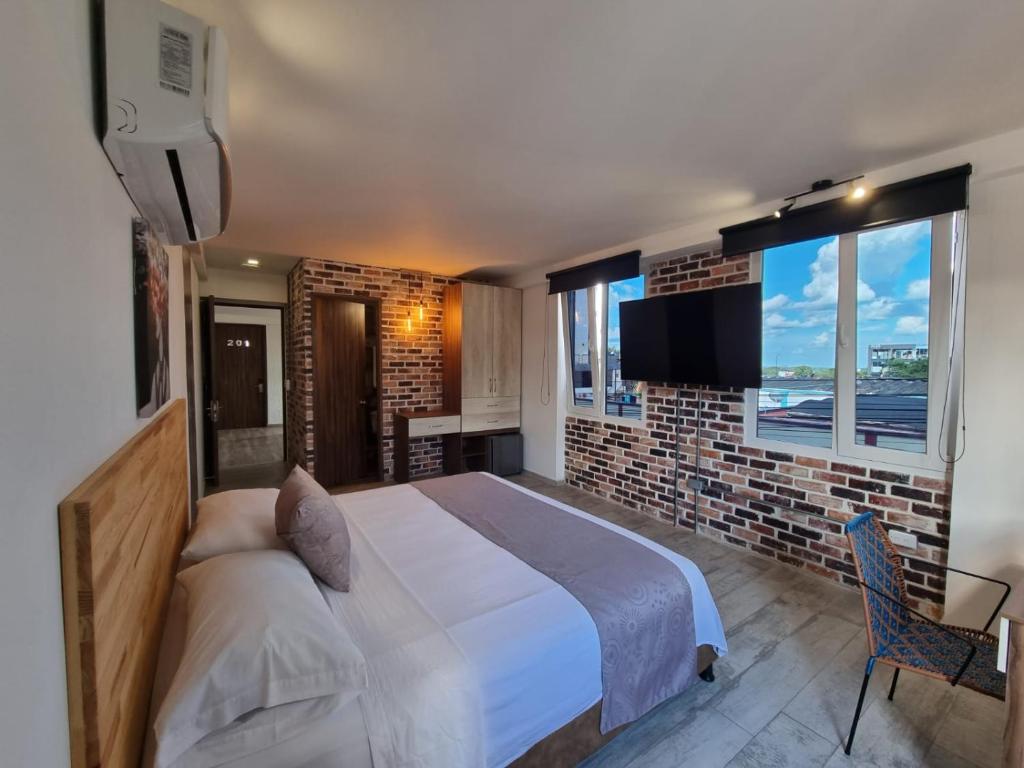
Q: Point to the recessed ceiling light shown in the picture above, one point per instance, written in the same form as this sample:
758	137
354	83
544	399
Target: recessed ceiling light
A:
251	263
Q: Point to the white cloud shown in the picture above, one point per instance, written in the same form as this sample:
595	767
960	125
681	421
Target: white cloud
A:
821	340
777	301
919	289
879	309
823	288
911	325
883	253
775	320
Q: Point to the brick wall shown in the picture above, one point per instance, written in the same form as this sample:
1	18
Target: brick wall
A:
411	362
756	497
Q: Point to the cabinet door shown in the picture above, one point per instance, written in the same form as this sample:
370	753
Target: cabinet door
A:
508	341
477	332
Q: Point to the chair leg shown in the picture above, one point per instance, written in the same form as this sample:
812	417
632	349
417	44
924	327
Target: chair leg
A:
860	703
892	688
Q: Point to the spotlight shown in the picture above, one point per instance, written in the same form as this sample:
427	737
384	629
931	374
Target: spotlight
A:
858	191
780	212
251	263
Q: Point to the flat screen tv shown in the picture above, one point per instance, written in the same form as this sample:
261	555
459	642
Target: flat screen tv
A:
702	337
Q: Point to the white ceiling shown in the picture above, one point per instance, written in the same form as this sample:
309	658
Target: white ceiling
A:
457	134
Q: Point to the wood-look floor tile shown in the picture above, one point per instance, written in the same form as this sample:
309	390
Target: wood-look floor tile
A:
826	704
900	733
706	740
973	729
765	688
784	743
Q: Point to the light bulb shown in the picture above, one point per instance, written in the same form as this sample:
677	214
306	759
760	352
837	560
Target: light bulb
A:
408	322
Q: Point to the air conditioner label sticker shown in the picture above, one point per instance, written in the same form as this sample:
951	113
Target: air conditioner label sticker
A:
175	60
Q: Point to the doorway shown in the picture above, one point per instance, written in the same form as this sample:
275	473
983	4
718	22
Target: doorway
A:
243	388
346	390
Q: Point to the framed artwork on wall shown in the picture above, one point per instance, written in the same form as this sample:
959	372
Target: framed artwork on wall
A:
152	324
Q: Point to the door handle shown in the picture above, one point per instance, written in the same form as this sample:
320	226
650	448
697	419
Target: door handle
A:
213	411
259	387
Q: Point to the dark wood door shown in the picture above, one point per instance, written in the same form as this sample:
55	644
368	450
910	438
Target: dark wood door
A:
208	352
341	399
241	375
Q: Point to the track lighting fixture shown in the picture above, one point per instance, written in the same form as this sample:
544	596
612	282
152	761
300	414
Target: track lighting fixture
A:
858	191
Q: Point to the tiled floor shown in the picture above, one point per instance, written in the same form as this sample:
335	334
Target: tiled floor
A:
784	695
250	447
255	476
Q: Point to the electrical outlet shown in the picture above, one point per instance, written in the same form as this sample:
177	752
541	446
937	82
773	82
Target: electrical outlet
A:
903	540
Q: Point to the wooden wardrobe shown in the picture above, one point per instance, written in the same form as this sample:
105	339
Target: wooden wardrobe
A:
482	364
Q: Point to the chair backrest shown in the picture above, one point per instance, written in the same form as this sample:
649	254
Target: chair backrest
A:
878	566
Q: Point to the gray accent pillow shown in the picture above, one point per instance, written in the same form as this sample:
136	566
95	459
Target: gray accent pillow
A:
314	528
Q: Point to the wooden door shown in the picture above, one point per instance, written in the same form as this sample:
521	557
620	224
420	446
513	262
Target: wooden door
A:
508	341
477	332
339	391
241	375
211	407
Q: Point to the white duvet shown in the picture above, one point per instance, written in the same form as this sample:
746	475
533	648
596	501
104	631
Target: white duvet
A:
473	655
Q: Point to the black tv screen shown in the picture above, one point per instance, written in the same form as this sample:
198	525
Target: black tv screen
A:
702	337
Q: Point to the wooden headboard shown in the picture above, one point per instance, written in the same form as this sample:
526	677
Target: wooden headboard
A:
121	532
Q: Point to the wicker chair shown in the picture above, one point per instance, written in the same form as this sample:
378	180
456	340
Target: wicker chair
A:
905	639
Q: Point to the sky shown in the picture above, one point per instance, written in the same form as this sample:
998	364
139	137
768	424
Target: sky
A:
624	290
800	283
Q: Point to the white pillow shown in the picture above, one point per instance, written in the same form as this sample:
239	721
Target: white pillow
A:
234	521
258	634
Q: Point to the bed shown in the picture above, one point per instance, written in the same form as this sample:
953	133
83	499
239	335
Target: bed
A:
470	651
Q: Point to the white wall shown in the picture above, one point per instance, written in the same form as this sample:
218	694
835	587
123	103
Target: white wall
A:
987	533
67	392
245	285
543	386
271	320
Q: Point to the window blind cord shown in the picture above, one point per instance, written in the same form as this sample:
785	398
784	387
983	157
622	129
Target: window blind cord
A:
959	312
545	372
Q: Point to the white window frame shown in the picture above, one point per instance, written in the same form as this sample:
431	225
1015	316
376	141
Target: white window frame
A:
597	307
844	433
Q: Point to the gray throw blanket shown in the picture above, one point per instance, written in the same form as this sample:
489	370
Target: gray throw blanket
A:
639	600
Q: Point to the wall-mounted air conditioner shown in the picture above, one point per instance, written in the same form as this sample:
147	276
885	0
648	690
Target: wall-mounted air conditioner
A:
166	117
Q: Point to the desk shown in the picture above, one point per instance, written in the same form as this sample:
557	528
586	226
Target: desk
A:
413	424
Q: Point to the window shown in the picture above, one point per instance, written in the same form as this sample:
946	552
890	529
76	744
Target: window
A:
800	297
594	350
579	344
848	326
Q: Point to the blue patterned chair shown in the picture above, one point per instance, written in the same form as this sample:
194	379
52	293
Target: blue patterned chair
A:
905	639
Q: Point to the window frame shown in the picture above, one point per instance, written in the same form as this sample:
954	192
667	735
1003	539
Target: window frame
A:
944	230
597	304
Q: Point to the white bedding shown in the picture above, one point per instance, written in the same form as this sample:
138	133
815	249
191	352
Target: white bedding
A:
473	656
530	646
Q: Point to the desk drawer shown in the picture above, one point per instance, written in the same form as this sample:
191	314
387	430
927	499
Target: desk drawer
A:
473	406
434	425
481	422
